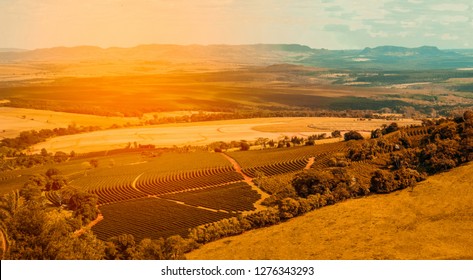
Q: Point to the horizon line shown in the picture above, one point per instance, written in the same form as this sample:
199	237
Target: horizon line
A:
16	49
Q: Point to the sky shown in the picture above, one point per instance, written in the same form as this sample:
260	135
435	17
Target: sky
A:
331	24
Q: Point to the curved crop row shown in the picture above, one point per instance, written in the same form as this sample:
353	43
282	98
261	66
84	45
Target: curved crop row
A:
277	168
152	218
162	178
253	159
151	184
117	193
234	197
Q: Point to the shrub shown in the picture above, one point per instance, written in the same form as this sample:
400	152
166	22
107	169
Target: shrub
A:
353	135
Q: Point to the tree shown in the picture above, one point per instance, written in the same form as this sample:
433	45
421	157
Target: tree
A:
151	249
55	182
83	204
262	141
311	182
244	146
60	157
382	182
336	134
31	191
38	233
52	172
122	247
377	133
94	162
353	135
391	128
44	153
288	208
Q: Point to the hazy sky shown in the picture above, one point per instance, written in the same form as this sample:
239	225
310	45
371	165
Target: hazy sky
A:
332	24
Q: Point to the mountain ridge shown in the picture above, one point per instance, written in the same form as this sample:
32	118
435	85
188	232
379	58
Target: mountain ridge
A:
381	57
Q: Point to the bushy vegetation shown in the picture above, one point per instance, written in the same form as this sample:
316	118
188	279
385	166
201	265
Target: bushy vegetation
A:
353	135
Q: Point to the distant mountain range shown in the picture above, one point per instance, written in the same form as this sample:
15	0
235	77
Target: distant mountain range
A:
383	57
11	50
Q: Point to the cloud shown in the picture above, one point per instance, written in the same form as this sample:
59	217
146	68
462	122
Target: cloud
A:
336	28
379	34
409	24
401	10
449	37
450	7
454	19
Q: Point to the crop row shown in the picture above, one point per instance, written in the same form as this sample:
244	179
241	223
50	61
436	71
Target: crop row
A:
322	159
151	183
152	218
162	178
258	158
53	197
277	168
117	193
234	197
91	183
417	131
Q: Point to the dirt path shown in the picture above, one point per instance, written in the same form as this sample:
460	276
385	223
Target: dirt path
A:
194	206
249	181
133	184
81	231
309	164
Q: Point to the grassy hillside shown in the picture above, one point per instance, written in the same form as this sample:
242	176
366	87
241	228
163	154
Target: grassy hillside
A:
434	221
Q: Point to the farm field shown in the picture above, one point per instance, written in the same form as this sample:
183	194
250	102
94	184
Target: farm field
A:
204	133
230	198
152	218
15	120
431	222
272	162
207	188
199	185
203	180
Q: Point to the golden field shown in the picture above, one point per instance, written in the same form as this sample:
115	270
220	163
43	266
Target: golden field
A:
202	133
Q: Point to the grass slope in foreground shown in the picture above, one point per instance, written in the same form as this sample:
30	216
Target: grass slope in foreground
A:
434	221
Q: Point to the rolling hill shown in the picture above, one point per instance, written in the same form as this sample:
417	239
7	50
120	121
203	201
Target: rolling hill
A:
229	56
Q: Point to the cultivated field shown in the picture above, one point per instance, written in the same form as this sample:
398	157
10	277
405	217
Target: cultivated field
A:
15	120
152	218
433	221
207	132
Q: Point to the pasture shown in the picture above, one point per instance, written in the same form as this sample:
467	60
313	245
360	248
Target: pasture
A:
203	133
15	120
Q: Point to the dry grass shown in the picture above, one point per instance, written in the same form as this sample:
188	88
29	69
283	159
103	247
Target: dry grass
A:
15	120
203	133
326	124
434	221
161	136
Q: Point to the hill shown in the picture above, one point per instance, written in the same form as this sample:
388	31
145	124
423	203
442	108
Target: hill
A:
393	58
402	52
259	54
433	221
231	56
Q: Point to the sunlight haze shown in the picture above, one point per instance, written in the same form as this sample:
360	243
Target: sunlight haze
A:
332	24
